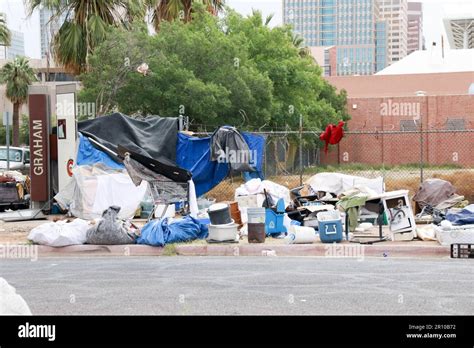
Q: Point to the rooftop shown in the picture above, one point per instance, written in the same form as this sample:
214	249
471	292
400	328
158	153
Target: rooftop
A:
432	61
404	85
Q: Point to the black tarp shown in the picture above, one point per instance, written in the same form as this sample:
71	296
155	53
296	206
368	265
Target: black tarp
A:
153	136
226	141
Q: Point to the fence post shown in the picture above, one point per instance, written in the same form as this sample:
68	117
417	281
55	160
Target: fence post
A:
301	149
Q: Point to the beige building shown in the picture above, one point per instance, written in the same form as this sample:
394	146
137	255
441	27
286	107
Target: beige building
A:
396	14
47	76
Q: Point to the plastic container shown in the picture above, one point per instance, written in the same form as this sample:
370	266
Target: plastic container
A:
301	235
235	213
256	215
462	251
256	232
223	232
219	214
330	227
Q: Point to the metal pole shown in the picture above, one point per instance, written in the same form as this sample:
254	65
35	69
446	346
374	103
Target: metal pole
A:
7	116
301	149
421	144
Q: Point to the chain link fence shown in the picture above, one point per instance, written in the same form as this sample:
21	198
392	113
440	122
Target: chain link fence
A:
403	158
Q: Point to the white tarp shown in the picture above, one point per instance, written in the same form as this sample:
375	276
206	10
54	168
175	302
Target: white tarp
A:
337	183
96	188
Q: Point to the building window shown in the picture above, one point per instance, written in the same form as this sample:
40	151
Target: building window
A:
408	126
455	124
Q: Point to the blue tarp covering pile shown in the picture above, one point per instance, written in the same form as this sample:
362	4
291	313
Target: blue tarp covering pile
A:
160	232
194	154
87	154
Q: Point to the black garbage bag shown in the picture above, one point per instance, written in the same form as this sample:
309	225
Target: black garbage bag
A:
110	230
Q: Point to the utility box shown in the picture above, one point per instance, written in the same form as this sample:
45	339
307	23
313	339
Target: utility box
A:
66	133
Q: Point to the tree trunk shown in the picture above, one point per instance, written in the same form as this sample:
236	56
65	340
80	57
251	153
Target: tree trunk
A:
16	124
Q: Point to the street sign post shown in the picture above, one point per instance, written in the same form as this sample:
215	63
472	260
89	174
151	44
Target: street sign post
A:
6	123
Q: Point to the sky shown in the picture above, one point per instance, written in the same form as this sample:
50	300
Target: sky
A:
433	12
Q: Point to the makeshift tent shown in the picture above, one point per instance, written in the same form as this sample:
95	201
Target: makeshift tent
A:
88	154
190	153
95	188
194	154
153	136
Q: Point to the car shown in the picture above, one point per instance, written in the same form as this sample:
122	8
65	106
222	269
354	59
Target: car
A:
19	159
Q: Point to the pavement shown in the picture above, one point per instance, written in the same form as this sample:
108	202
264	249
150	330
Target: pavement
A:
242	285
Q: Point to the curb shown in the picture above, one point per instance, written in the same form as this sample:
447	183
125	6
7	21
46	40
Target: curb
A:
318	250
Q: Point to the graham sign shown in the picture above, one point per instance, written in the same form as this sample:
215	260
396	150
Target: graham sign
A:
38	106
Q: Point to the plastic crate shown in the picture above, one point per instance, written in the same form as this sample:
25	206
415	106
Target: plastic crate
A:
462	251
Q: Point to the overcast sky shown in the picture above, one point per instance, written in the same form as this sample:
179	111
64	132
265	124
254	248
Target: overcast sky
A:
434	11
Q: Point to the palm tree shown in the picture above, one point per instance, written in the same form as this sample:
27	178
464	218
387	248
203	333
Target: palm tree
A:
86	26
298	42
18	75
169	10
4	32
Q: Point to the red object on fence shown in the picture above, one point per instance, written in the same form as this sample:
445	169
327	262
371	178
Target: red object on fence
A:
332	135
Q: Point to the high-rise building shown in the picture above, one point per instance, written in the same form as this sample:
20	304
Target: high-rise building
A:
16	48
49	26
415	27
396	14
353	27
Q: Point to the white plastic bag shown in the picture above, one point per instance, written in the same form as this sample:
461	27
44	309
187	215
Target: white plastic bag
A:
10	302
61	233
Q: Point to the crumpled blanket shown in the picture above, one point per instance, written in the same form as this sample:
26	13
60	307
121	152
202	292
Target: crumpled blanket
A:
110	230
461	217
166	231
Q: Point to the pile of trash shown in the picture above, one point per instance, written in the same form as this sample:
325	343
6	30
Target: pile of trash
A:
446	216
14	190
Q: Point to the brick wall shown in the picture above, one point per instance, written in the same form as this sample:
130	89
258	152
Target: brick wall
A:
373	115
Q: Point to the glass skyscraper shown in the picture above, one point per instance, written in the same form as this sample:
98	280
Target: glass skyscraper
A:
353	26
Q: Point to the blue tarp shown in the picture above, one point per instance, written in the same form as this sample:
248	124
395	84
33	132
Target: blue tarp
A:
463	217
160	233
194	154
87	154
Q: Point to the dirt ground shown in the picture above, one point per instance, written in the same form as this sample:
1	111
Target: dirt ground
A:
462	180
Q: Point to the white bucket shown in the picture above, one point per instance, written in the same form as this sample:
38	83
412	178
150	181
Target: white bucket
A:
256	215
301	235
223	232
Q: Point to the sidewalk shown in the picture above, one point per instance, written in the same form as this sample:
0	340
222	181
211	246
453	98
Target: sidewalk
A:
16	233
415	249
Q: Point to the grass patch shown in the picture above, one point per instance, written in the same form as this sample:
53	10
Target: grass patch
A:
357	167
170	250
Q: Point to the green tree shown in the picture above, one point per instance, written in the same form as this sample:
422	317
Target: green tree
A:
169	10
17	75
86	25
4	32
220	70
